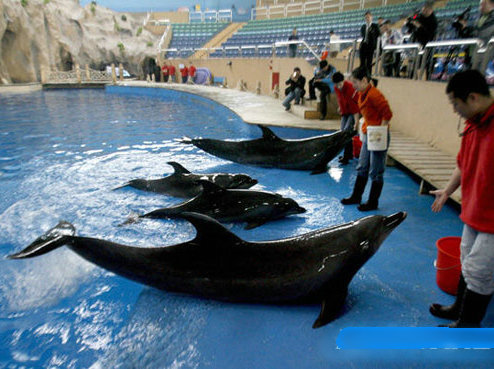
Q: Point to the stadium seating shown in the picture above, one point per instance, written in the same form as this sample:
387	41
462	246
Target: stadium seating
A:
189	36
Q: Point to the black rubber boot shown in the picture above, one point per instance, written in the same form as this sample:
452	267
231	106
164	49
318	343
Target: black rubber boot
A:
374	195
451	312
358	190
472	310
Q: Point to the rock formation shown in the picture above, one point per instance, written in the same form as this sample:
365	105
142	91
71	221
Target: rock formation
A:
56	34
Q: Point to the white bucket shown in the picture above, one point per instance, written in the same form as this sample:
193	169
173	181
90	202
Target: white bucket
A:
377	138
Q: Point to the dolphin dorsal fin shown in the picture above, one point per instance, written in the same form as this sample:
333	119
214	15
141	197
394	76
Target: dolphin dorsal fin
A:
267	134
211	232
209	187
179	169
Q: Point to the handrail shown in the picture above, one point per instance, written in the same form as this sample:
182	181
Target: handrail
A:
416	47
298	42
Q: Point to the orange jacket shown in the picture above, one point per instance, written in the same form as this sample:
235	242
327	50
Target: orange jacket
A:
374	107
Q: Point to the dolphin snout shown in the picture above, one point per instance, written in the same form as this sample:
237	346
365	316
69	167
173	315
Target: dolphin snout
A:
300	210
394	220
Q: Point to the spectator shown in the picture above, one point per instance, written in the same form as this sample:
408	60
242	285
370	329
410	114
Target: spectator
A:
380	21
184	72
166	72
469	94
425	25
484	27
370	33
292	48
424	30
295	90
323	82
391	59
376	112
348	110
172	71
334	48
192	73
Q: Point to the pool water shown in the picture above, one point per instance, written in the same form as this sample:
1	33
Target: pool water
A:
62	153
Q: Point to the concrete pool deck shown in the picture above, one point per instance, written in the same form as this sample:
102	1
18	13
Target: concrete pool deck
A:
252	108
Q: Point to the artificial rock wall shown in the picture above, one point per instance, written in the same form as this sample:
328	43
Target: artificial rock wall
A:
56	34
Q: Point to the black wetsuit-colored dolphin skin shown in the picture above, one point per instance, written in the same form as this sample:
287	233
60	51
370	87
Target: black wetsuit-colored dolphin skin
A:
232	205
183	183
313	267
273	152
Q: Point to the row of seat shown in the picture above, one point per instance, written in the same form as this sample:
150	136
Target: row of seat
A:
314	29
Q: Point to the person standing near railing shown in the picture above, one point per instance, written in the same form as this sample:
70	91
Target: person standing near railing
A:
425	29
370	34
391	59
484	27
292	48
334	46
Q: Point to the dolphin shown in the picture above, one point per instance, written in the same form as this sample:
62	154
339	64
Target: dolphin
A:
183	183
232	205
315	267
271	151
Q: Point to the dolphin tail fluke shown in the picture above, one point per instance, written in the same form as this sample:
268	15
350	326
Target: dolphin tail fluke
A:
330	309
132	219
59	235
185	140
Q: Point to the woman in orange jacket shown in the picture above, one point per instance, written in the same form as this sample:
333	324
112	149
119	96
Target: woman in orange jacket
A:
376	112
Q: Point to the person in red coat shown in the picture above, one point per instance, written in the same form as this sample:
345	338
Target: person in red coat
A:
166	72
172	71
348	109
469	94
184	72
192	73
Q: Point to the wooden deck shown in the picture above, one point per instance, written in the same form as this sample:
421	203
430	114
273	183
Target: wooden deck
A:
433	166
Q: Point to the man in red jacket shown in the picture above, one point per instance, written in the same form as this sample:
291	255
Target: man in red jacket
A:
469	94
172	72
184	71
166	72
192	73
348	109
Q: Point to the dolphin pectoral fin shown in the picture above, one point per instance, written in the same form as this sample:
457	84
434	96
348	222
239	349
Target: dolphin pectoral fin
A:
330	309
319	170
58	236
210	188
256	223
178	168
210	231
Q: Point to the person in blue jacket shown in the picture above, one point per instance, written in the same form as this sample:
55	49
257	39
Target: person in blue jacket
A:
324	83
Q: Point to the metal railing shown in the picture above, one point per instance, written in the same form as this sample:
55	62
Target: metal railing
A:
420	59
276	10
413	53
211	16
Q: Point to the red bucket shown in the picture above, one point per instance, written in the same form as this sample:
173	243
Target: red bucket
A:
448	264
357	145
